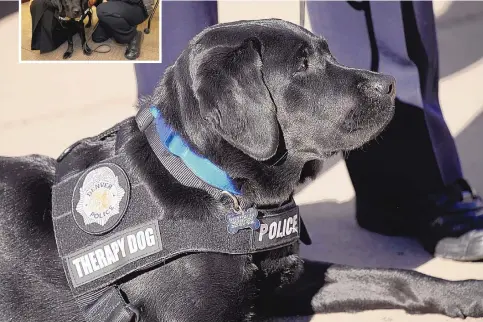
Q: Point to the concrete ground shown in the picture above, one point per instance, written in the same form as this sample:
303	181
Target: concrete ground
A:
35	119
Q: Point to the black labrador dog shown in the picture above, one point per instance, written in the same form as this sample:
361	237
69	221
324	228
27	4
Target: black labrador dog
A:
236	94
72	18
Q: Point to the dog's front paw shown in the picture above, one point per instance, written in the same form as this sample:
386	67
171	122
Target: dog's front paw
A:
87	50
67	55
454	312
474	310
465	300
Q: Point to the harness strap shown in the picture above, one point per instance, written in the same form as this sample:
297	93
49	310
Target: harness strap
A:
141	234
107	305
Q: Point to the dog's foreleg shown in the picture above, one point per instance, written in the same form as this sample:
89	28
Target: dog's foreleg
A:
326	288
70	48
85	47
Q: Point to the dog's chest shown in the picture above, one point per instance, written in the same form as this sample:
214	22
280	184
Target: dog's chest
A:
118	225
212	287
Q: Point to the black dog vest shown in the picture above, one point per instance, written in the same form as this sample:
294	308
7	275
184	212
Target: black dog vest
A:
108	226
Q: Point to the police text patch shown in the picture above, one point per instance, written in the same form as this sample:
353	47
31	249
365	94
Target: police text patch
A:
277	229
113	253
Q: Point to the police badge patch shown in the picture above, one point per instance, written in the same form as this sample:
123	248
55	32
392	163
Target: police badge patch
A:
100	198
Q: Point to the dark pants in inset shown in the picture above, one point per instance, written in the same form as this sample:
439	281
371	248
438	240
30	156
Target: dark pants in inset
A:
118	20
47	32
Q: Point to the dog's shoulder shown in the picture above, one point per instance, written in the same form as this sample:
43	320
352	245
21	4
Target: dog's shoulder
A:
92	150
25	184
25	202
28	256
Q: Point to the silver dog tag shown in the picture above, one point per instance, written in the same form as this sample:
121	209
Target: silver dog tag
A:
242	220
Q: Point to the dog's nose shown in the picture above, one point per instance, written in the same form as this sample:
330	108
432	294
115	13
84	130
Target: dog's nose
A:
385	85
76	12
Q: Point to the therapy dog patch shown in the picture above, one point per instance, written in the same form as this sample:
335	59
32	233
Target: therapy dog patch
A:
113	253
100	199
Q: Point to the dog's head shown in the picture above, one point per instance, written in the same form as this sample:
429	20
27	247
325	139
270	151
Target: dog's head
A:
252	86
249	77
73	8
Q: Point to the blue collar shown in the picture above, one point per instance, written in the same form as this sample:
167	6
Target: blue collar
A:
201	167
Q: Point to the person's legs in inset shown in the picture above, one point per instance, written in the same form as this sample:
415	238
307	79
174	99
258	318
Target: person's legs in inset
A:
102	33
119	20
36	8
181	21
415	156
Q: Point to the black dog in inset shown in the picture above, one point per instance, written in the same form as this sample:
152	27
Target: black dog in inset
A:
237	94
75	13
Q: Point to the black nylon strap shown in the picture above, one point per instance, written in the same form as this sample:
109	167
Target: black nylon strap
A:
172	163
178	236
107	305
175	166
144	118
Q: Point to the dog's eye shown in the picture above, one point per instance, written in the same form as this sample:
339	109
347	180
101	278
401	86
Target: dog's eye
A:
303	65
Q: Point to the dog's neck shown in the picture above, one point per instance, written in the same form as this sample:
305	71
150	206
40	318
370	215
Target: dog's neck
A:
260	183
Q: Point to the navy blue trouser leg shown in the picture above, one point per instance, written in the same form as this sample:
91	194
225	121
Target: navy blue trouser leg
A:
416	155
181	21
8	7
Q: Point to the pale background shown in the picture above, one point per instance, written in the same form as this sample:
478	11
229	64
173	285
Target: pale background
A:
34	118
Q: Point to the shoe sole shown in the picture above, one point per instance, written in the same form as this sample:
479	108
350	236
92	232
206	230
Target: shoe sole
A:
134	58
466	248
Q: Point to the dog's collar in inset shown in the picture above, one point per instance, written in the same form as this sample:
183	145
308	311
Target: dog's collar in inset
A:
203	168
82	17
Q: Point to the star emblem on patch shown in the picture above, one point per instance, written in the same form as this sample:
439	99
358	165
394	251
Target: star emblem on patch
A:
101	194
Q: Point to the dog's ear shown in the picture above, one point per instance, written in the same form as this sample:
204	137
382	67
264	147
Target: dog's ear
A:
229	86
57	5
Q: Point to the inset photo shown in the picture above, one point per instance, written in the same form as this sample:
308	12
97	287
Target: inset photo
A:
90	30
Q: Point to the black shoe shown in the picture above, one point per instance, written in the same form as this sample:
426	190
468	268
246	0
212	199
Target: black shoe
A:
448	225
133	49
456	232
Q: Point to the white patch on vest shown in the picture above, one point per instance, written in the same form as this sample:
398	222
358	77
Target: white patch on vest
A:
279	229
100	196
107	255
